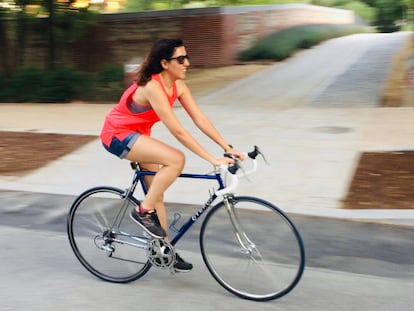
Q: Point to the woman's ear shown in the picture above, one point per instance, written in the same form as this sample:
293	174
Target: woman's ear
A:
164	64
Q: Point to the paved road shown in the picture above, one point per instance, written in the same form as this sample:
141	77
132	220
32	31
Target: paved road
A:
352	265
345	72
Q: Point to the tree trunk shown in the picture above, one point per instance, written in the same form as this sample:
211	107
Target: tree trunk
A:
5	46
51	56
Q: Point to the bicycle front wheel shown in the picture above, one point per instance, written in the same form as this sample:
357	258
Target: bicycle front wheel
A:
106	242
252	249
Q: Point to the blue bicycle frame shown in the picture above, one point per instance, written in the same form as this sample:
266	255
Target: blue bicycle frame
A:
139	178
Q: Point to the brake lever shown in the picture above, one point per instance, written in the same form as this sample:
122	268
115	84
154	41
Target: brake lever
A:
256	151
243	170
264	158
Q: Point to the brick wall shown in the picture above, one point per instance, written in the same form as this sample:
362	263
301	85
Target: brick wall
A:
213	36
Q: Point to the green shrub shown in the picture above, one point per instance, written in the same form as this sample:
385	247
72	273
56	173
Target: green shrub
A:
4	88
62	85
388	12
282	44
109	74
110	83
25	85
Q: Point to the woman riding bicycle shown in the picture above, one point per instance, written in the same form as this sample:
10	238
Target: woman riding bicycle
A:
127	129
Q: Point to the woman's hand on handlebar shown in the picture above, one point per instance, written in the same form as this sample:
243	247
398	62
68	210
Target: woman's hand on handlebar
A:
223	161
230	157
237	154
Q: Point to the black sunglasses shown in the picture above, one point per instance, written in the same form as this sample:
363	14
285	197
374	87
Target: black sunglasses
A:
180	59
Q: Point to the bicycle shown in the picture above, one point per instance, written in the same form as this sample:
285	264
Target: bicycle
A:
249	245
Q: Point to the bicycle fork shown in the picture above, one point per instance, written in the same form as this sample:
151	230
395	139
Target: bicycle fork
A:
247	246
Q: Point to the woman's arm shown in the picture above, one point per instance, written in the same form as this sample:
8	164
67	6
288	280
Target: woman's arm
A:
201	120
156	97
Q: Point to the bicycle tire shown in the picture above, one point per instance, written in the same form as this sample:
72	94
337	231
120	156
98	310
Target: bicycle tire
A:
276	260
92	239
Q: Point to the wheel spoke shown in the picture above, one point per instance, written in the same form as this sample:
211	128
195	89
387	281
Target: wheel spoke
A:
252	249
93	226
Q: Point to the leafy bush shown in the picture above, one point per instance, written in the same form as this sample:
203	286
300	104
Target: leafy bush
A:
25	85
109	83
386	16
282	44
4	88
62	85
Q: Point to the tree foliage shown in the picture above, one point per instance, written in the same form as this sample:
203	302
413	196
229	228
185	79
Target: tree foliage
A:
59	23
386	15
362	9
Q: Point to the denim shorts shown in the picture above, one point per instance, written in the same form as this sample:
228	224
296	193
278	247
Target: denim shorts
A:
120	148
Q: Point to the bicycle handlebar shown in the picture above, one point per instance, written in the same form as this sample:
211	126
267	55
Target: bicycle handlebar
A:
234	177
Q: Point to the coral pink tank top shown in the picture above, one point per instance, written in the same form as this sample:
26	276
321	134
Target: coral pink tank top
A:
125	118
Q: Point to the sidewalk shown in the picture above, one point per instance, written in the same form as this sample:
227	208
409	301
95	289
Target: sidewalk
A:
312	145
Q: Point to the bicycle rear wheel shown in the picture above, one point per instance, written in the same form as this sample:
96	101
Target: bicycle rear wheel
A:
264	260
104	239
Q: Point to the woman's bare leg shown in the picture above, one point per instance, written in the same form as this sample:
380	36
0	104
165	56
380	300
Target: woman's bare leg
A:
147	150
159	205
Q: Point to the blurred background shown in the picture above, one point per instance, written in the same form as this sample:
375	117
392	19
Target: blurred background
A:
62	51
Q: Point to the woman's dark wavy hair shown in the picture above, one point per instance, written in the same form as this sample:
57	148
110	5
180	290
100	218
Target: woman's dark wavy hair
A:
161	49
